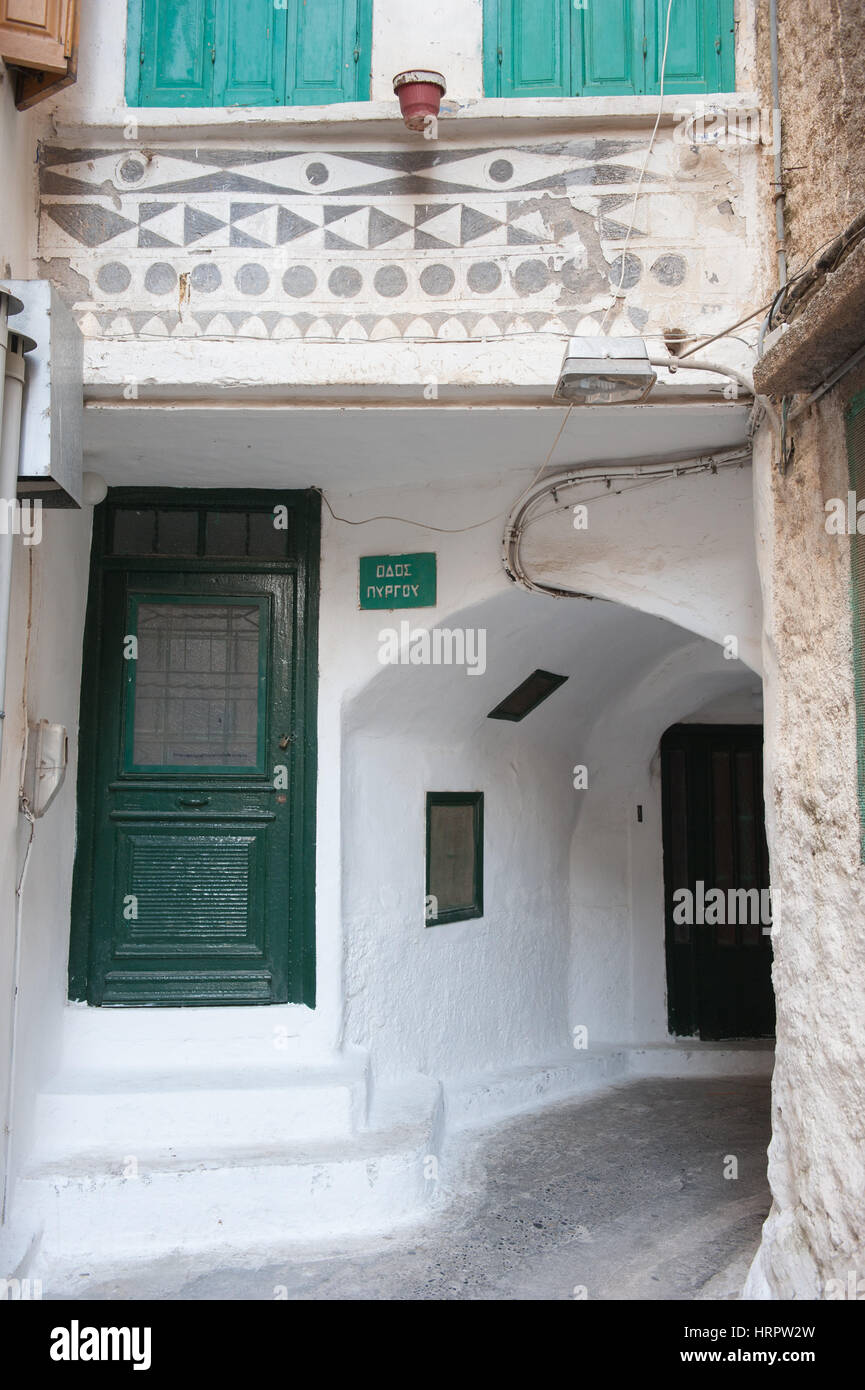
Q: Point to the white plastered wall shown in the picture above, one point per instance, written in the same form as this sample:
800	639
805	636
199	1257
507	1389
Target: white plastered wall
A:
573	929
49	586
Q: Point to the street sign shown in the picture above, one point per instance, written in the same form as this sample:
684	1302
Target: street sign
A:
398	581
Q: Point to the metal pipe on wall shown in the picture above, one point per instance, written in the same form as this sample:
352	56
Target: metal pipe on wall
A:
780	234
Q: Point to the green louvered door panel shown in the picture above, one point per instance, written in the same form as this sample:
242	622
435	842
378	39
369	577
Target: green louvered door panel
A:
326	51
176	52
608	48
553	48
700	50
856	455
250	53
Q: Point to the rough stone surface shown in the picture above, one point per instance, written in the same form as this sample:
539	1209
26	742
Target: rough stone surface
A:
827	331
623	1196
822	78
815	1233
817	1155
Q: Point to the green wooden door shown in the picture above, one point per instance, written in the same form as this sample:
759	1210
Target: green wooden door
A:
719	972
196	834
554	48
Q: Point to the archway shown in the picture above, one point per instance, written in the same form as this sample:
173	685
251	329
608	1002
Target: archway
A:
572	935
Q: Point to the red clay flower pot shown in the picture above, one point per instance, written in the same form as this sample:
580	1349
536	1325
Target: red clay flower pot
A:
420	94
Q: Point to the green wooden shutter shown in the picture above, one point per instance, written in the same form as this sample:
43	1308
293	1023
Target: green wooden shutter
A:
250	53
328	51
527	48
606	47
856	456
176	51
700	54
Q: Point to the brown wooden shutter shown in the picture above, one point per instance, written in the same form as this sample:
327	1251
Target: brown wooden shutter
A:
40	39
34	34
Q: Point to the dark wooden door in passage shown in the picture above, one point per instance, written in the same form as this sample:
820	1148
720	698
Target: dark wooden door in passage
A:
716	881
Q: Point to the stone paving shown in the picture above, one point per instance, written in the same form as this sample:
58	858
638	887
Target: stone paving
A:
622	1195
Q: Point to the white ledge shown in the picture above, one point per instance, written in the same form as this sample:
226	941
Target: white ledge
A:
473	119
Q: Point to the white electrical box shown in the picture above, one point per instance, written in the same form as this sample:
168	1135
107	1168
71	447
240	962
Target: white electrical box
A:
47	753
52	419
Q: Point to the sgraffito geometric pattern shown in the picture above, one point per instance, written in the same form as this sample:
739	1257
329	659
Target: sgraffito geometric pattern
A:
376	243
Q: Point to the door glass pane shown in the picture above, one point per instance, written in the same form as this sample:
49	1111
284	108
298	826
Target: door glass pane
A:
197	685
226	533
134	531
176	533
266	539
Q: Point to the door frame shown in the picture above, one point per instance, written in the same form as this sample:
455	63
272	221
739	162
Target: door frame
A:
305	509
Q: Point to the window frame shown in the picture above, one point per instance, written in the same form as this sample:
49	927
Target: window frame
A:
476	908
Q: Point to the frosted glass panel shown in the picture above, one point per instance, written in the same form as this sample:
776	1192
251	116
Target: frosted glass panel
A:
196	685
452	856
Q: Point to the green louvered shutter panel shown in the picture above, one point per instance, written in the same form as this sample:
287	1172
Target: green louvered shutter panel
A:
700	56
328	51
856	455
176	52
250	53
527	48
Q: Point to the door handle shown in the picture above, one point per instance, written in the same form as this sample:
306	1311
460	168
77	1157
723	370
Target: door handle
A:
194	801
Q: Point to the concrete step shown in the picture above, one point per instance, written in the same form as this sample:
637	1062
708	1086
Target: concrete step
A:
92	1209
195	1116
354	1187
492	1095
692	1057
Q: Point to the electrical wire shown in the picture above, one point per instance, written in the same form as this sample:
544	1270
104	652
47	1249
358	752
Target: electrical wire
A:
407	521
519	517
638	482
647	157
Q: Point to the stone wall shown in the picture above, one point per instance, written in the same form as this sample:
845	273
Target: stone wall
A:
822	80
815	1233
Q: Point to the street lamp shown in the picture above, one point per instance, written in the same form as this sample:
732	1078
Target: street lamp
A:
604	371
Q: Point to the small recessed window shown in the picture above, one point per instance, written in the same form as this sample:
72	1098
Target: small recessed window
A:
454	856
527	696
